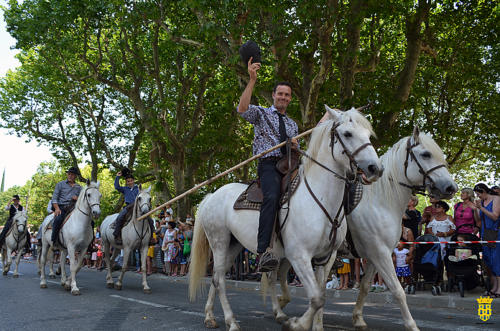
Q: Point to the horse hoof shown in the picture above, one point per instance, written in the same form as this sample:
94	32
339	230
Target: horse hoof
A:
5	273
16	276
148	291
67	287
110	285
281	319
211	324
118	287
43	285
290	324
75	292
52	276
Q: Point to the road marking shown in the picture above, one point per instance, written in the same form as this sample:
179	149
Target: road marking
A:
157	305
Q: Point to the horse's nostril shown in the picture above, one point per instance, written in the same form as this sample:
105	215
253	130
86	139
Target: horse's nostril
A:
372	168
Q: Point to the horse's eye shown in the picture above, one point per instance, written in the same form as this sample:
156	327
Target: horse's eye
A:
347	134
426	155
88	194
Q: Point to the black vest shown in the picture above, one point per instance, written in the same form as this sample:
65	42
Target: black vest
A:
13	210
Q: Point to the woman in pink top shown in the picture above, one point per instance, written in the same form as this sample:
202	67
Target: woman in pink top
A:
465	220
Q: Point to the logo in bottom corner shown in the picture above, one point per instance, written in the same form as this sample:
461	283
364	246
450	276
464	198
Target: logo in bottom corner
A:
484	308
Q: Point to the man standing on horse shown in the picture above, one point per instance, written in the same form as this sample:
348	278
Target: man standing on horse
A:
64	199
271	126
13	206
130	192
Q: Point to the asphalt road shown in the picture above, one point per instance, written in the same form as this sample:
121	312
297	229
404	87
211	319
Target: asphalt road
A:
27	307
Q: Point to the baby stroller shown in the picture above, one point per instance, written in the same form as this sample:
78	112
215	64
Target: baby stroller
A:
427	265
462	262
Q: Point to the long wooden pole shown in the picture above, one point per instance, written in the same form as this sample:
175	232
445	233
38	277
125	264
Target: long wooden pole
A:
208	181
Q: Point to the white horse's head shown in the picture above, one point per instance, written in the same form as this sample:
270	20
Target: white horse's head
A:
143	201
91	196
349	143
21	221
426	166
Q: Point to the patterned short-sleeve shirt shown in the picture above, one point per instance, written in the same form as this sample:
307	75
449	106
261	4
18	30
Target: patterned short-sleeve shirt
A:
264	136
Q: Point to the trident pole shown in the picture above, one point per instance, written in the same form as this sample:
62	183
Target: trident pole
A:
208	181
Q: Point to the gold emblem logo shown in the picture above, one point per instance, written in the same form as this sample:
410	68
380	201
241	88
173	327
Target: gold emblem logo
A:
484	308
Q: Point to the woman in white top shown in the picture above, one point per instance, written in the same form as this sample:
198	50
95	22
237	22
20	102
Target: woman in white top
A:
442	225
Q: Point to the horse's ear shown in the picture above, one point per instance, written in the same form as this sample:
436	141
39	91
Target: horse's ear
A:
415	135
148	189
334	114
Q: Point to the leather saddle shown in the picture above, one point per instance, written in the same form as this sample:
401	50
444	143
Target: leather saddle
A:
128	216
252	197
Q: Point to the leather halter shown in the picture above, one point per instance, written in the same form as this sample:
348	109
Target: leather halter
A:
88	203
333	221
409	154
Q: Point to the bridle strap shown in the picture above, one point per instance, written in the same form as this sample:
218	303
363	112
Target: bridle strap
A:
88	203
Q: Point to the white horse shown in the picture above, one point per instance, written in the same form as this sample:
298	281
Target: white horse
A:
136	234
75	236
414	163
15	241
335	146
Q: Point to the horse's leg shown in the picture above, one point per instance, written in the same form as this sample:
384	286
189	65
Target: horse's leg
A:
51	263
9	261
18	258
74	265
65	280
43	260
279	302
284	298
304	270
224	256
107	253
357	315
4	263
322	277
126	253
144	255
210	322
386	269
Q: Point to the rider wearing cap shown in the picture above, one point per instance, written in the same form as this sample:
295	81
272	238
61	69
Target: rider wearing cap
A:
130	192
63	200
13	207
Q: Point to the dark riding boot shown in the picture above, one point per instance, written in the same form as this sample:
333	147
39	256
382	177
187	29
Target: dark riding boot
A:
152	228
6	228
270	180
119	225
56	226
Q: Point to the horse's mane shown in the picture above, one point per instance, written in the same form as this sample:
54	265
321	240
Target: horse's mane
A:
393	162
319	132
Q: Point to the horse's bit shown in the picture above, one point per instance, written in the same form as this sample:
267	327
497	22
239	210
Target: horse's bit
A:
409	154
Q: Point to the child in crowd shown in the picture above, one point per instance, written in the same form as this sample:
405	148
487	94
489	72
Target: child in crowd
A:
462	252
401	258
174	262
93	256
99	255
344	272
151	255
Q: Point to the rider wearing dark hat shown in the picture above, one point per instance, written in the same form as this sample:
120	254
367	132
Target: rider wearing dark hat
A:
13	207
130	192
64	198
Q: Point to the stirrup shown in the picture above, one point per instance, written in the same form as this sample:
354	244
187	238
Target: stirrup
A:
268	262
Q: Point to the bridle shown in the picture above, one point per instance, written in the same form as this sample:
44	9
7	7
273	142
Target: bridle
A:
426	174
139	207
19	235
88	202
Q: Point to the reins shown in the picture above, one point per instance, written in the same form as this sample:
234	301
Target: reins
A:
420	189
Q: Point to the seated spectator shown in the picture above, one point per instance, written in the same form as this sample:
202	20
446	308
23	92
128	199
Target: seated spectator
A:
464	213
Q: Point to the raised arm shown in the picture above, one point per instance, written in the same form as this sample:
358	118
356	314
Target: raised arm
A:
247	93
117	183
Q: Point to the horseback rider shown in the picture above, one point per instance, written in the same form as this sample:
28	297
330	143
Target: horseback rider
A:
13	206
64	199
265	137
130	192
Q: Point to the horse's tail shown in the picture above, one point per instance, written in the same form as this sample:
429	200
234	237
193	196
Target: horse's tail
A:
199	254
